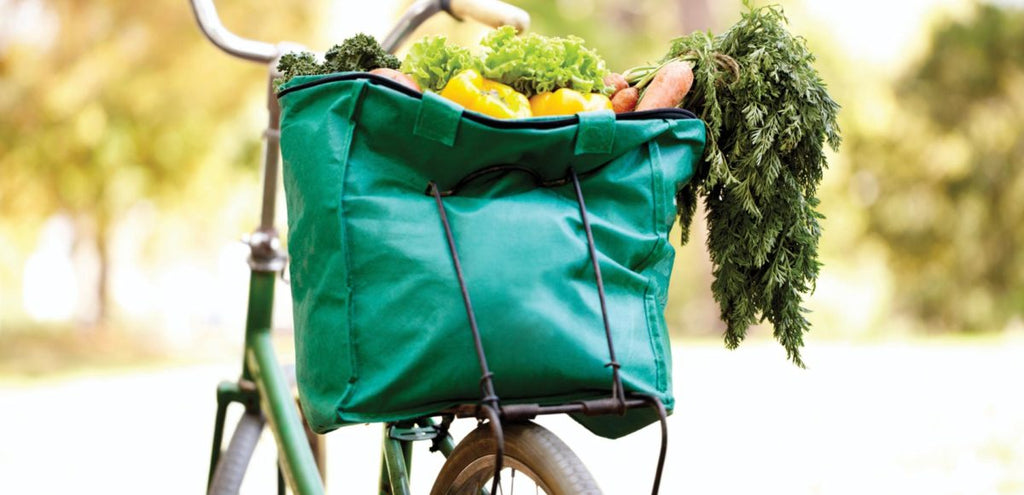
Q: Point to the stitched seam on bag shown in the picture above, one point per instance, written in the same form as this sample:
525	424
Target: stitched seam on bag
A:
654	164
353	377
653	338
354	363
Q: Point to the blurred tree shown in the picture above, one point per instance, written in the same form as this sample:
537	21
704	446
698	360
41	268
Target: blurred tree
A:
943	180
118	101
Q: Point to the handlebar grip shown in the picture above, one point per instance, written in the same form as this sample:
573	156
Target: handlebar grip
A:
491	12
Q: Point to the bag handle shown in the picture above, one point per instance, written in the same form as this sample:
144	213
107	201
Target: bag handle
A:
596	132
438	119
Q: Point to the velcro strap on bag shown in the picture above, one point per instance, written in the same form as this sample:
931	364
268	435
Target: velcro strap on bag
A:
596	132
438	119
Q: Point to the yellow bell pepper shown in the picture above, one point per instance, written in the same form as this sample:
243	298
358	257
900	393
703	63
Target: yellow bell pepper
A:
567	101
469	89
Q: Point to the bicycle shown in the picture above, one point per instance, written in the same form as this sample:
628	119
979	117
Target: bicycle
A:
505	442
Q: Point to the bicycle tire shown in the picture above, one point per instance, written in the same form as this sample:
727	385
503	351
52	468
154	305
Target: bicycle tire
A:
530	449
234	461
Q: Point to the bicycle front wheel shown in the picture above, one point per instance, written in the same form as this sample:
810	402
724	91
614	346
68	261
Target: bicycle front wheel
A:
535	461
227	477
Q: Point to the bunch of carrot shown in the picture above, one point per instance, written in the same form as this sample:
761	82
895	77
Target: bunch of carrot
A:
651	87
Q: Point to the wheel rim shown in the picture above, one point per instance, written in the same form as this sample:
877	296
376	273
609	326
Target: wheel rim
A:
516	477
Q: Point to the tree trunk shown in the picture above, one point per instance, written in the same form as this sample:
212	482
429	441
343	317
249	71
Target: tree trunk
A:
102	271
92	236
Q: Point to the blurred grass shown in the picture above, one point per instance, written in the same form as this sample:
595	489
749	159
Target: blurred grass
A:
41	352
31	351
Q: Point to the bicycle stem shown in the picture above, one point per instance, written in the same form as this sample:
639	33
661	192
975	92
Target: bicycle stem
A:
271	155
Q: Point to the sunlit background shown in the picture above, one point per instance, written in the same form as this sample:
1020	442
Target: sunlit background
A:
129	151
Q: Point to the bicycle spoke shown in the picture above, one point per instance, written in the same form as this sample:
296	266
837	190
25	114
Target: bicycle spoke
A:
508	484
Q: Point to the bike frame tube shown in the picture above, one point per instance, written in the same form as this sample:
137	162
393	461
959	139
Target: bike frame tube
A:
395	465
276	398
271	156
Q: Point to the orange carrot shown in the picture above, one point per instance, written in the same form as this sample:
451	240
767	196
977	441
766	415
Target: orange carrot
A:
669	86
397	77
617	81
625	100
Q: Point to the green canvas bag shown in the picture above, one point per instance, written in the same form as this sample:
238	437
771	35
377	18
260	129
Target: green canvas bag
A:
381	329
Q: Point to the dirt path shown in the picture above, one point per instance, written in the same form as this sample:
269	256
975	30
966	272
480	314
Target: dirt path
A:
884	419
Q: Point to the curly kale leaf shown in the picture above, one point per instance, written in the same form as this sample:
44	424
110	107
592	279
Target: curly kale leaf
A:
297	64
359	53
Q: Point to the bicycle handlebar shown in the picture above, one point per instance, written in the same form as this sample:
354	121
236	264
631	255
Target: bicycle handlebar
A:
209	22
490	12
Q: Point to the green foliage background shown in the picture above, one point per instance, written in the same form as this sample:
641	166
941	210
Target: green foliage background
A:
125	103
947	168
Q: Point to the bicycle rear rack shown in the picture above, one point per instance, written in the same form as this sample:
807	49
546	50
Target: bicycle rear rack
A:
489	408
